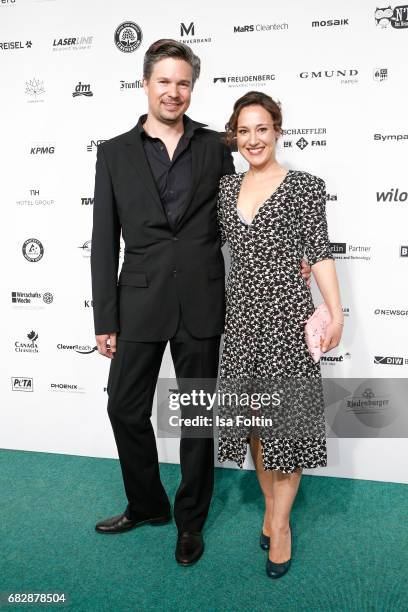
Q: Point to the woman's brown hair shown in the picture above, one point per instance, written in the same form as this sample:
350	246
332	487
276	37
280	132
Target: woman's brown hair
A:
249	99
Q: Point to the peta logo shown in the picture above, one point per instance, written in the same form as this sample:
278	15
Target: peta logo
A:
21	383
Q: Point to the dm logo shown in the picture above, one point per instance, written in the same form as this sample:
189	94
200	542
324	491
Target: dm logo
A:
128	37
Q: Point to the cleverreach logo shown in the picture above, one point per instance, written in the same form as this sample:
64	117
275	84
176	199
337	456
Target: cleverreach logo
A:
84	349
392	195
242	80
22	383
330	22
393	361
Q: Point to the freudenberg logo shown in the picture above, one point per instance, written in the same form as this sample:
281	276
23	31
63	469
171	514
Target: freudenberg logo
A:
242	80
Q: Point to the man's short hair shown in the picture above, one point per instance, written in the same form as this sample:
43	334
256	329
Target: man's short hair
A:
166	47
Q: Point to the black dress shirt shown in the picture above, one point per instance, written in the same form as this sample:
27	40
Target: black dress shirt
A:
172	176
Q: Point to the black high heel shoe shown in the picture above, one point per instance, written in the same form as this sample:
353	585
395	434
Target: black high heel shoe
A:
277	570
264	541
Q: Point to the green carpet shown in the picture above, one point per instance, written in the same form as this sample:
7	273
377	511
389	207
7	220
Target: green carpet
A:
350	547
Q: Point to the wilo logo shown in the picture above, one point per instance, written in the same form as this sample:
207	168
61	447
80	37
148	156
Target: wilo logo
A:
393	195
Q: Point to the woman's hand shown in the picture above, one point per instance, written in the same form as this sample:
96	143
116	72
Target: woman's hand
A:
332	337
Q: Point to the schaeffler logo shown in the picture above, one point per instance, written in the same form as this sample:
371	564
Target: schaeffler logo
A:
22	383
393	195
390	360
330	22
27	347
242	80
34	89
397	17
86	248
33	250
83	349
87	201
344	251
391	137
290	137
94	144
189	30
72	43
342	75
82	90
128	36
261	27
125	85
31	299
15	44
380	74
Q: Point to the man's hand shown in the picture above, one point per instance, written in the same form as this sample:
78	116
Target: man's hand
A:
306	271
106	344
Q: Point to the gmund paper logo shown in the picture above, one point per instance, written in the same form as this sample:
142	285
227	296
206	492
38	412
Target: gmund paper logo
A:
393	195
398	361
397	17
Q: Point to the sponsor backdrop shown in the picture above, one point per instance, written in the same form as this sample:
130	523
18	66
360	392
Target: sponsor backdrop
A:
71	79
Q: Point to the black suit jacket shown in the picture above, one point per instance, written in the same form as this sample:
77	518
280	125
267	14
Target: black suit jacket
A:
163	268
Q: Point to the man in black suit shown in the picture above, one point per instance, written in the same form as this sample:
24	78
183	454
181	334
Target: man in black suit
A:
157	184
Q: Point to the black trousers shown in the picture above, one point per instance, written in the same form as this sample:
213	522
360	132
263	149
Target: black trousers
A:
132	381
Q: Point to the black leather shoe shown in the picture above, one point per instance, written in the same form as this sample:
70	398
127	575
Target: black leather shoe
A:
121	523
277	570
264	541
190	547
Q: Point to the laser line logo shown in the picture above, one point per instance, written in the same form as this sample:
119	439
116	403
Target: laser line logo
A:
72	43
22	383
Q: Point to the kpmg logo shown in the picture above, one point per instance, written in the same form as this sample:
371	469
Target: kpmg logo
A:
342	75
125	85
87	201
404	251
380	74
330	22
128	37
32	250
390	360
27	347
94	144
13	45
86	248
44	148
22	383
392	195
82	349
187	30
397	17
82	90
244	79
344	251
261	27
31	299
34	89
290	137
33	201
72	43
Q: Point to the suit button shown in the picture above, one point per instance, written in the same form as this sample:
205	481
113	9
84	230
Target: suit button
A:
174	272
175	239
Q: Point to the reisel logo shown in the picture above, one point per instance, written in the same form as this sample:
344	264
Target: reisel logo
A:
13	45
243	79
330	22
397	17
390	360
22	383
380	74
392	195
33	250
82	90
128	37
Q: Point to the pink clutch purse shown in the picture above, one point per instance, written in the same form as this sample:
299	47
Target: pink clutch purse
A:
315	329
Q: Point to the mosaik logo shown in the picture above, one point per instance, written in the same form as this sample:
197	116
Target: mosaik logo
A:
243	79
75	43
330	22
393	195
82	90
22	383
15	44
397	17
27	347
380	360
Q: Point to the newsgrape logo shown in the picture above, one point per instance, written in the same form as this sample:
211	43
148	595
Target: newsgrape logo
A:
82	90
404	251
66	388
87	201
88	303
94	144
242	80
15	44
260	27
86	248
344	251
367	402
33	201
126	85
44	148
345	76
27	347
333	360
34	89
393	361
128	37
380	74
330	22
22	383
82	349
33	250
188	30
393	195
391	312
290	137
31	300
397	17
72	43
391	137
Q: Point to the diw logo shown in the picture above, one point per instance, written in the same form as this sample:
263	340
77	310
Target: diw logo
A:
398	361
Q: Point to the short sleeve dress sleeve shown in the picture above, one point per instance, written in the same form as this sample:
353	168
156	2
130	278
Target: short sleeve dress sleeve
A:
314	222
